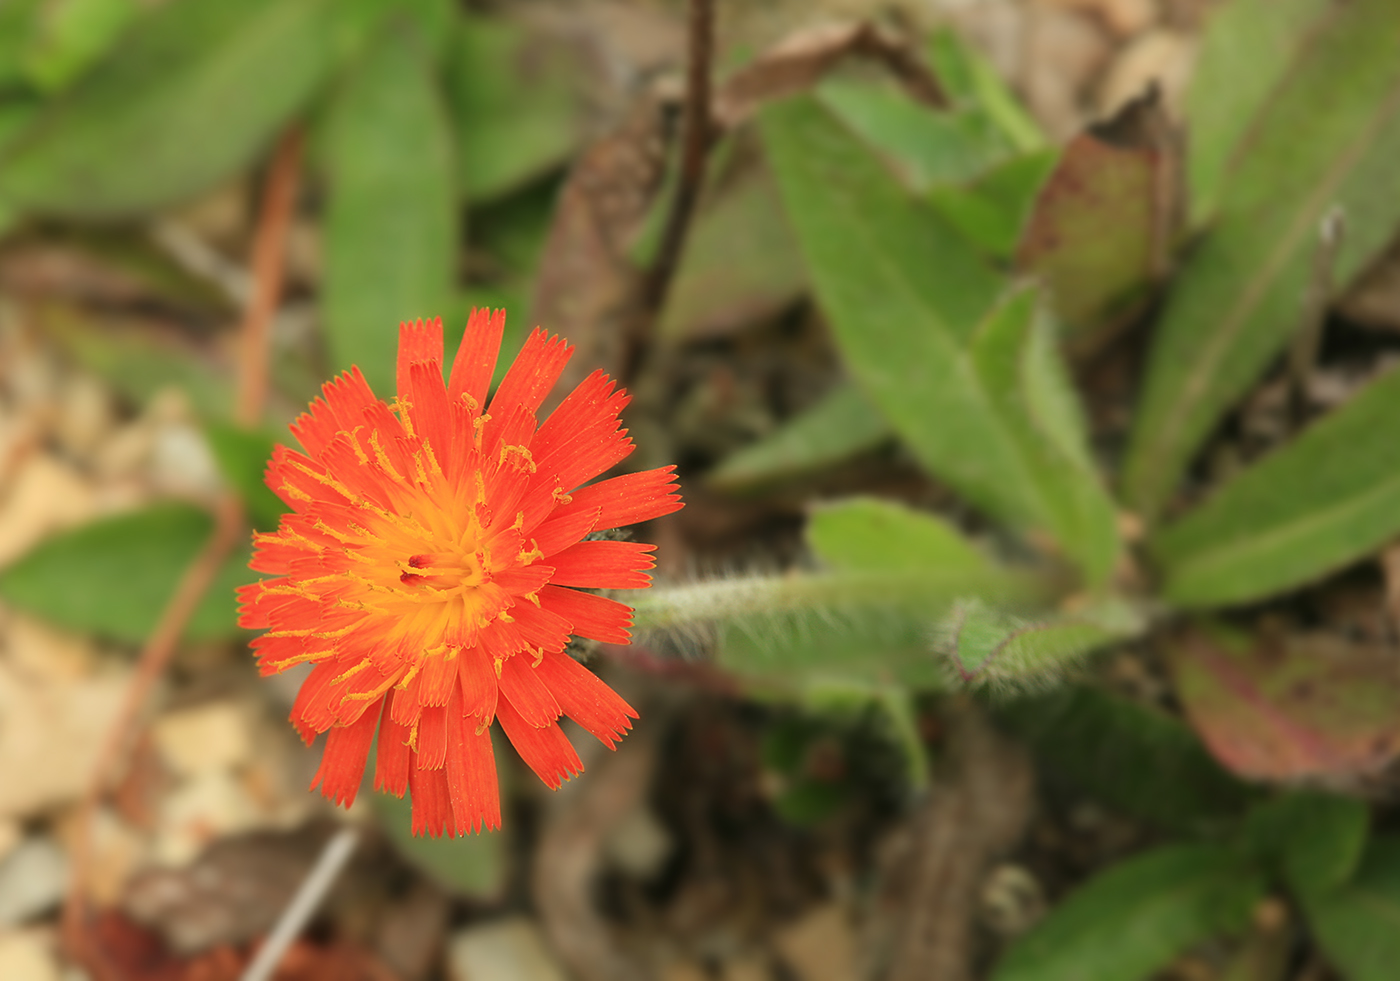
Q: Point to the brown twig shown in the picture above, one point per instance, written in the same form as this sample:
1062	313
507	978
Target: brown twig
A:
697	134
268	263
269	245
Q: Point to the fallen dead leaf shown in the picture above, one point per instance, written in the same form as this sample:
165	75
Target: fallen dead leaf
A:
1284	705
1100	233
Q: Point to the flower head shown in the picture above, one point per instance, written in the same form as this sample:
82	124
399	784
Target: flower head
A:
429	565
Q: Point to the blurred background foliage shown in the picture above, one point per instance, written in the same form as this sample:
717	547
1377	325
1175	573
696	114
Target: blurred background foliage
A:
1037	587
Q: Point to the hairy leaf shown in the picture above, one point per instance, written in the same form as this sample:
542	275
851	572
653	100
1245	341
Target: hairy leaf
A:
1326	499
195	92
986	644
391	223
1133	919
1329	137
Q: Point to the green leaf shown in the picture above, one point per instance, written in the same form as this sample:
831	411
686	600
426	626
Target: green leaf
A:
924	146
1134	918
905	296
242	456
114	577
1317	839
472	865
73	35
1017	362
840	426
1128	756
1329	137
992	210
518	103
741	264
391	224
1248	49
1356	923
971	80
1325	500
193	94
986	644
868	534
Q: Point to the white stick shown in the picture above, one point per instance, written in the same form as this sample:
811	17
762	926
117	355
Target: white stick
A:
313	889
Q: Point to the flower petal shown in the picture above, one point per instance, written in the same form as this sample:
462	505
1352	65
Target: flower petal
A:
603	565
343	760
585	698
547	750
526	693
476	357
471	775
419	340
594	617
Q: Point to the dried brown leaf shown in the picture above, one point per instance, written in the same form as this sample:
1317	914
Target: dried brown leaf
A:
1284	705
1101	232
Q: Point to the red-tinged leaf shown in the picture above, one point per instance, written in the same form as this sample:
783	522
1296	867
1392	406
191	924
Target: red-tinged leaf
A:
1287	707
1101	227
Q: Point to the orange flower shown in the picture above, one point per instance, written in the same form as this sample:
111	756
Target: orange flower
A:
425	570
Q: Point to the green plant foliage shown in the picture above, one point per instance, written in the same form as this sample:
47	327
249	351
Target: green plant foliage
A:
1132	919
970	81
741	264
1315	839
1328	137
991	210
1145	762
838	427
72	34
905	297
868	534
114	576
242	456
142	129
1327	499
517	104
391	222
988	645
472	865
1249	48
1017	362
1355	923
925	147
